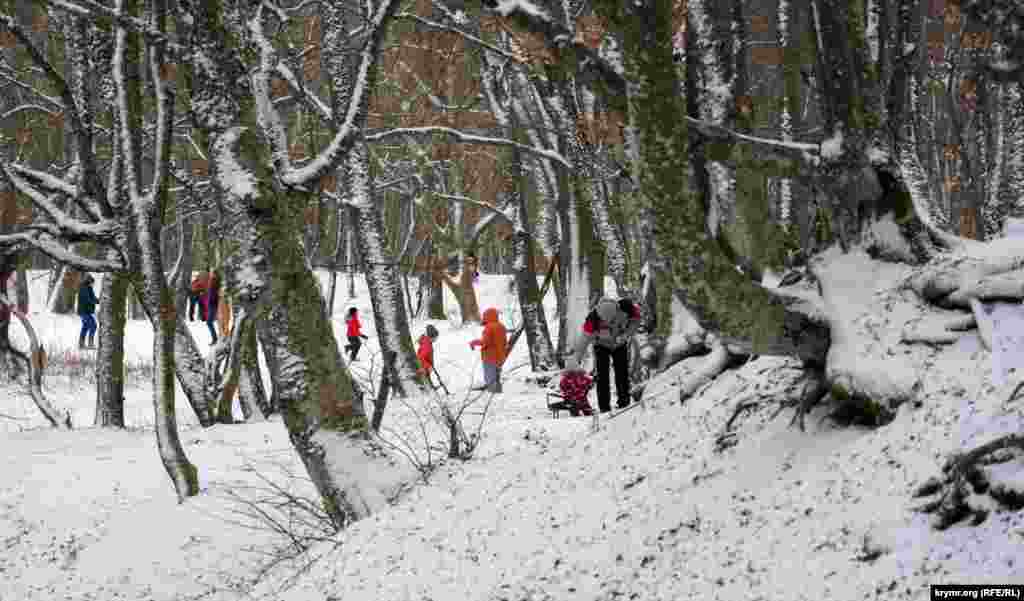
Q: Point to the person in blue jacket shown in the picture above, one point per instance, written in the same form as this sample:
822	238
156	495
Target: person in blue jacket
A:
86	308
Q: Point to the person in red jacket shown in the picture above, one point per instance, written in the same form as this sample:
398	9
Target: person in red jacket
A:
196	293
354	333
425	352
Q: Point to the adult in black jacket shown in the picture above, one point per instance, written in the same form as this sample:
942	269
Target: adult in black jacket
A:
609	326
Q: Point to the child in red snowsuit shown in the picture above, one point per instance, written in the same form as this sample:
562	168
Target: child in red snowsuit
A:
354	332
575	385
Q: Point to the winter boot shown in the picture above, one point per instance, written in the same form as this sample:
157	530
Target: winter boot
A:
90	344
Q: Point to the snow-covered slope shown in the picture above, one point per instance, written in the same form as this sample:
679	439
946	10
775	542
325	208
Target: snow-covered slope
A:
653	504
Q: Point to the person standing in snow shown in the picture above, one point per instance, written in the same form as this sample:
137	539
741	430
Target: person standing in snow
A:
425	352
609	326
211	302
493	345
196	292
575	385
86	308
354	332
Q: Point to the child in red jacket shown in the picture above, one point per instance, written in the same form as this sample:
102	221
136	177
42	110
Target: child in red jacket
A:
354	332
575	386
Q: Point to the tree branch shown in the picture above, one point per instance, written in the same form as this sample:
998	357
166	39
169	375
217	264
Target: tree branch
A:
331	156
57	250
470	139
80	134
102	230
561	38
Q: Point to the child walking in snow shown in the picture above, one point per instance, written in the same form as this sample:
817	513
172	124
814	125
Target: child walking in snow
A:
575	385
354	333
425	352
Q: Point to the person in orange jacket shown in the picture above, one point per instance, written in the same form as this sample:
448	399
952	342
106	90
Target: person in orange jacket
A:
425	353
493	345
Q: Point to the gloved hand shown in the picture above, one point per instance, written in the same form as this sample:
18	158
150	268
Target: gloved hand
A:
475	343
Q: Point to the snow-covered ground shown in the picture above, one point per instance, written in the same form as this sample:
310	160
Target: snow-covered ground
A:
652	504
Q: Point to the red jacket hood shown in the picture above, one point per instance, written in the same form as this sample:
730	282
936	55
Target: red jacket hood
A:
490	315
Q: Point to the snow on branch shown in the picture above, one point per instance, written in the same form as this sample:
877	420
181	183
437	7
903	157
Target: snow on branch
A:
26	107
456	30
91	8
471	139
129	152
332	155
80	134
267	116
559	36
49	183
309	98
57	250
714	130
164	118
10	78
67	226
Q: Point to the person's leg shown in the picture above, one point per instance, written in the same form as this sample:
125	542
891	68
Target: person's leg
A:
83	331
209	326
620	357
490	376
497	379
193	300
92	332
355	342
602	358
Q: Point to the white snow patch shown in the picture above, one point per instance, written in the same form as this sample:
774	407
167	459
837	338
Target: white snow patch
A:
507	7
832	147
877	156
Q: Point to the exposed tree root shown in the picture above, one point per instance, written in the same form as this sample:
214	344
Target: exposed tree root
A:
815	388
965	475
715	363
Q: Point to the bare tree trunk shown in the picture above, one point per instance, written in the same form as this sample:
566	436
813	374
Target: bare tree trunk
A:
21	289
110	354
251	392
382	278
63	302
151	285
351	255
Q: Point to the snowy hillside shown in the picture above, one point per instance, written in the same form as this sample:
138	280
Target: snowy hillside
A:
655	503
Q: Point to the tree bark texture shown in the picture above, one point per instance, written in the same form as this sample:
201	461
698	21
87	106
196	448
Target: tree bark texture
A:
110	367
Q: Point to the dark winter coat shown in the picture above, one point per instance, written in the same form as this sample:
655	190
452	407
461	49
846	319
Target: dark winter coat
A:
86	299
609	325
212	297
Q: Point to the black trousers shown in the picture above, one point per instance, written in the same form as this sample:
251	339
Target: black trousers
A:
604	357
354	342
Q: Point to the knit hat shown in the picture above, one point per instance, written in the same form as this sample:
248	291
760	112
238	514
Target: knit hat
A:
432	331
